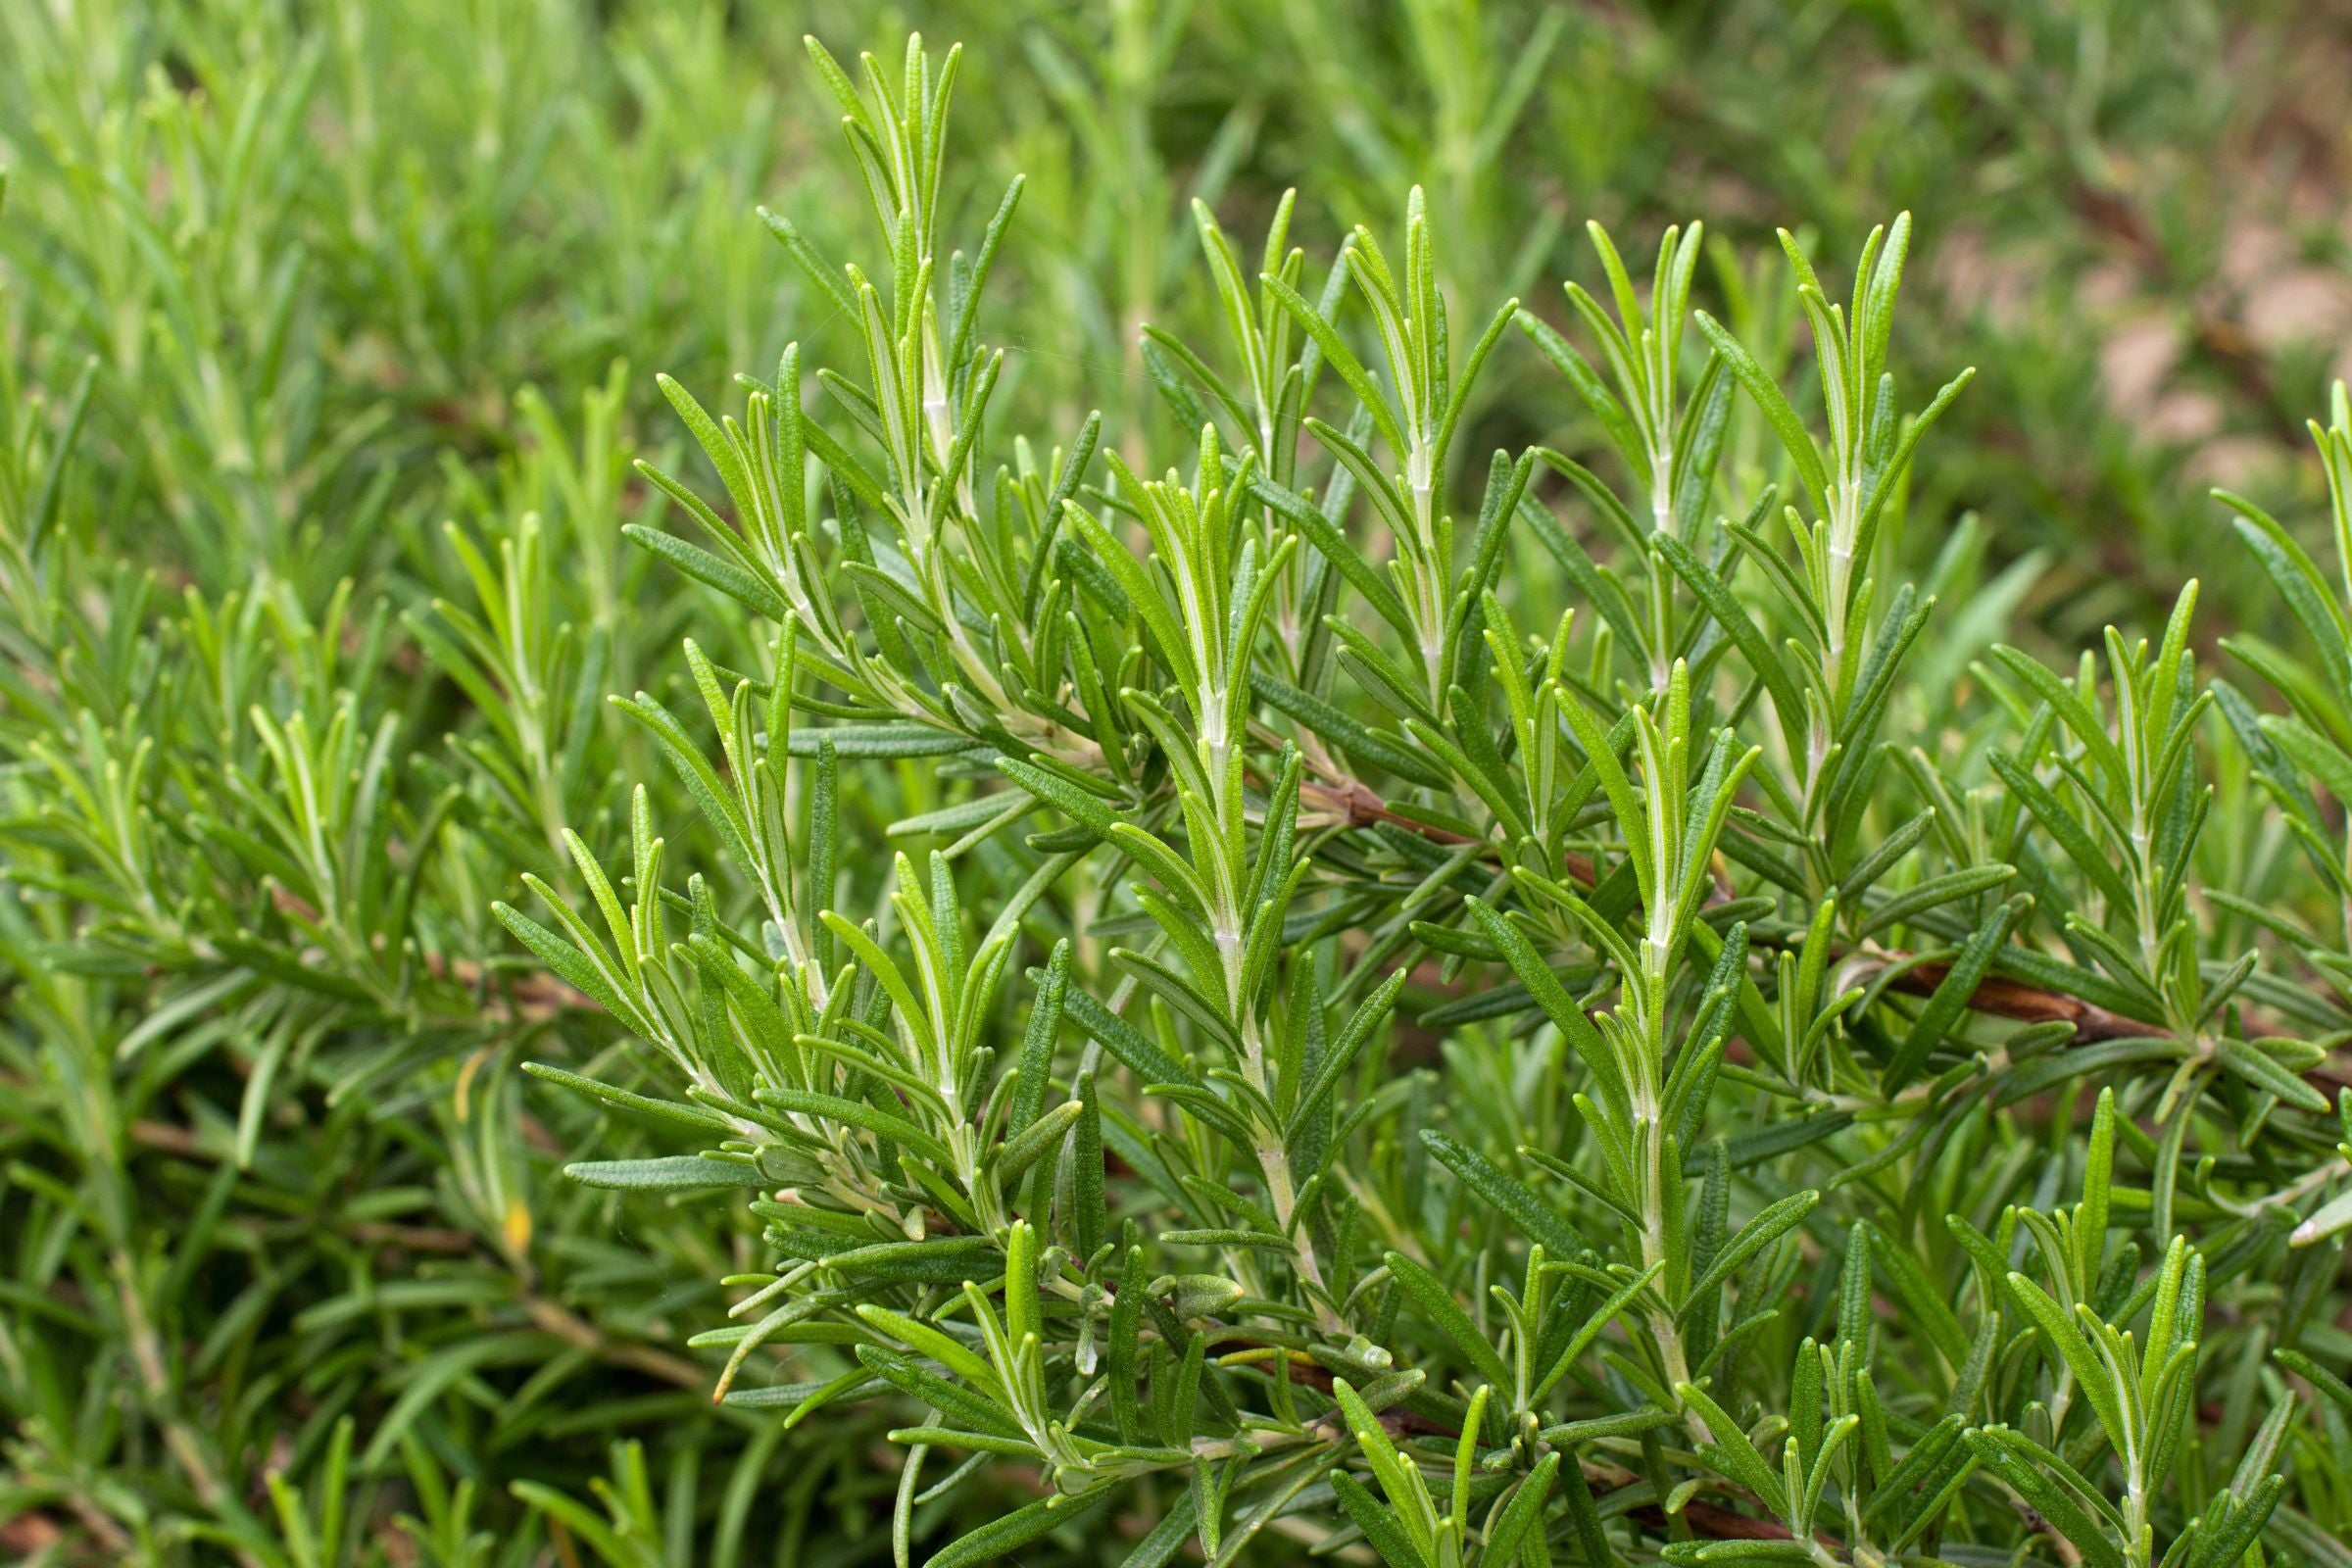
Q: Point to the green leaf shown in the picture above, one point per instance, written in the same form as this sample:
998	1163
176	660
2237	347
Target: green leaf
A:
854	1113
1545	986
2012	1458
1522	1521
1767	1227
1733	616
1796	439
675	1173
1535	1219
2060	1334
1733	1454
1032	1522
1379	1526
2249	1063
1952	992
1436	1303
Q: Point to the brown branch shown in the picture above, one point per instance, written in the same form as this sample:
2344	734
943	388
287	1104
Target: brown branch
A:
1355	803
533	998
575	1330
1706	1518
412	1238
551	1316
2009	998
539	998
166	1137
1727	1523
28	1535
180	1437
1359	806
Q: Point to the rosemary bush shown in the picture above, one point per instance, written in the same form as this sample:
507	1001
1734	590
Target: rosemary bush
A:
1764	983
1236	899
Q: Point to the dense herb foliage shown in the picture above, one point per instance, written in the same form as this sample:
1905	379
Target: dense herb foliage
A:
1308	910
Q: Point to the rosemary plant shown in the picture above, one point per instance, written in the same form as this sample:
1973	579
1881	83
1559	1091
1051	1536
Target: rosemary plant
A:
1255	886
1344	1070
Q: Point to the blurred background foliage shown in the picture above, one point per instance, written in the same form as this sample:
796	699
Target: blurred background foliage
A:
329	330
